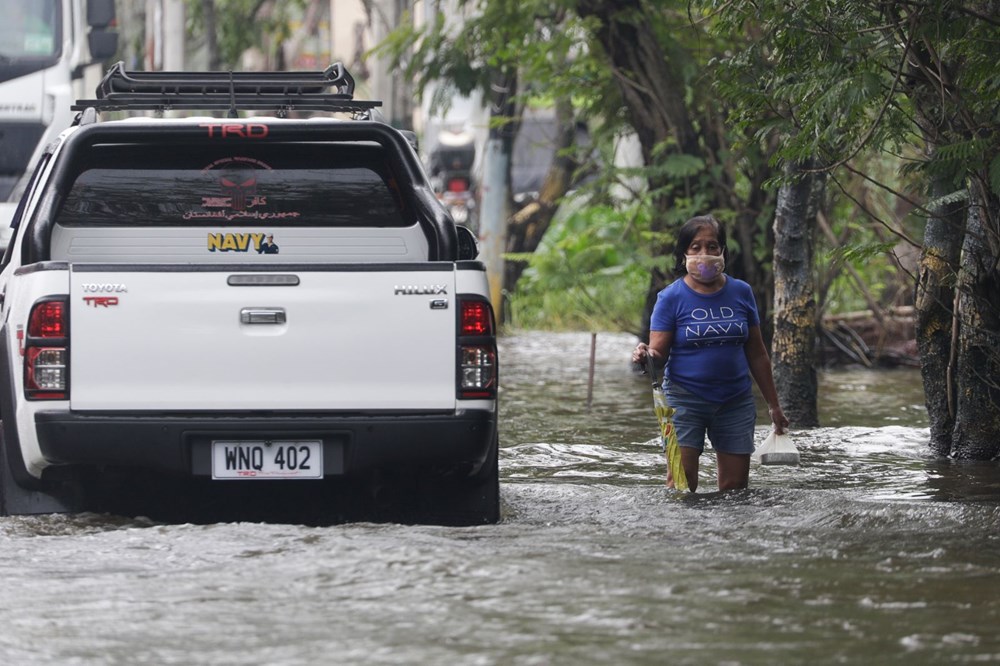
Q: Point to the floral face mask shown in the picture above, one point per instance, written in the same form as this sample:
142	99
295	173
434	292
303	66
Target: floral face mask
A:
705	267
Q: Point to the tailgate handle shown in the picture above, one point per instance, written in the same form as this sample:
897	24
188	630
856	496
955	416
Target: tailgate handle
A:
262	316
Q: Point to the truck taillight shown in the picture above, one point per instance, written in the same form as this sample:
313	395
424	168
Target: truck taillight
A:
458	184
47	320
477	350
46	351
477	318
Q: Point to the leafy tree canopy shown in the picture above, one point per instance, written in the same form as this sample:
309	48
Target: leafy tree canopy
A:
845	77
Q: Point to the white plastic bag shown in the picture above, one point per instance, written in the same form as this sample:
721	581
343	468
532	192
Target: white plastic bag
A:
776	450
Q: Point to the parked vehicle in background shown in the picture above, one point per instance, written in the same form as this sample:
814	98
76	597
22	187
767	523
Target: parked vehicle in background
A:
242	301
46	47
451	162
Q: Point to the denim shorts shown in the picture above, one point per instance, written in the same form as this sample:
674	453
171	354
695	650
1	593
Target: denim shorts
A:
729	425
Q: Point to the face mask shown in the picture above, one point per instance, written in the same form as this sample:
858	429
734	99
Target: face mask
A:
705	267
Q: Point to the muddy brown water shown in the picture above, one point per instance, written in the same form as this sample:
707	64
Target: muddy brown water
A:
869	552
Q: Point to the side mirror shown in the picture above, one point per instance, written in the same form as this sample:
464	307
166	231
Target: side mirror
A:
103	44
468	244
100	13
102	40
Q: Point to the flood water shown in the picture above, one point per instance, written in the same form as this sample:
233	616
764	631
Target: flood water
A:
869	552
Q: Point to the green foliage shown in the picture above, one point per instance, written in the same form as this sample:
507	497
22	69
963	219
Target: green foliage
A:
539	40
886	97
612	304
868	259
838	79
554	48
241	24
676	165
865	251
861	253
590	273
995	175
834	80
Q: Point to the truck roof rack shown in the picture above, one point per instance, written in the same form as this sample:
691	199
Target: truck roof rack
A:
329	90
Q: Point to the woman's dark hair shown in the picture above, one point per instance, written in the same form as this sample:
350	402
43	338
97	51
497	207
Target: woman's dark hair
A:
687	234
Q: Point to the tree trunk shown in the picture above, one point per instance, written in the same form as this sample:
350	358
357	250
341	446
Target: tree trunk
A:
936	320
794	341
753	226
652	87
977	417
650	82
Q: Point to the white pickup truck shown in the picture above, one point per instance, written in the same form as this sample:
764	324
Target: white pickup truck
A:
247	300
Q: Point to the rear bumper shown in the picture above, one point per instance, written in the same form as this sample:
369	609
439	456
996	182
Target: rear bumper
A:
181	444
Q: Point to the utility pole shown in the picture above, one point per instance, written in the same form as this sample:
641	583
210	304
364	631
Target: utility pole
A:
154	34
496	191
493	217
382	78
165	36
388	86
174	36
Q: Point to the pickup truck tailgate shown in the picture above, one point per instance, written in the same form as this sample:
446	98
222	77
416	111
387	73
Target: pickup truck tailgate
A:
215	338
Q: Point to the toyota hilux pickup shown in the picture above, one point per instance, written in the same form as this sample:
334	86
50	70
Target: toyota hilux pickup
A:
248	299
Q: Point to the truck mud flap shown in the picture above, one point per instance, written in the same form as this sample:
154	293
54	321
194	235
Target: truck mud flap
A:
21	493
16	500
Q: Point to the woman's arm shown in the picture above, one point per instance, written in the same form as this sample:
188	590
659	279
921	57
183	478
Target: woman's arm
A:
760	369
658	348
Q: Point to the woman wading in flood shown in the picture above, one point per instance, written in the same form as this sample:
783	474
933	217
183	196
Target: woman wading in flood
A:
706	329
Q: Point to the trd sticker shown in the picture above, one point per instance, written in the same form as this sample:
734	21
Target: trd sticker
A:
242	242
235	130
100	301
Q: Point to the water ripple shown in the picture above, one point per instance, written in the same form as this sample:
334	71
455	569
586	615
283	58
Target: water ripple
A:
870	551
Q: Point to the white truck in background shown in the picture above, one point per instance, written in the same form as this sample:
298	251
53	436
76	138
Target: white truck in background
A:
46	47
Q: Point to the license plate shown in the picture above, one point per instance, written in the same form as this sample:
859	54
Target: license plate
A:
267	460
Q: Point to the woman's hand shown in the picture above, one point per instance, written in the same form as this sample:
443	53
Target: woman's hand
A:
658	348
779	419
640	352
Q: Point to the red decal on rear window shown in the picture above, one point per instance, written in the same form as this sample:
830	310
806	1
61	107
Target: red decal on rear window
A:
235	130
238	196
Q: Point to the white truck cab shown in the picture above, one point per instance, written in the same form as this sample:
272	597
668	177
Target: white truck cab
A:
46	48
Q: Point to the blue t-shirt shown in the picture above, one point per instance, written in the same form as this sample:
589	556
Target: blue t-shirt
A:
710	331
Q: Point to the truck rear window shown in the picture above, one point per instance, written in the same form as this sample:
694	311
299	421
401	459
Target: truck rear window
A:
311	185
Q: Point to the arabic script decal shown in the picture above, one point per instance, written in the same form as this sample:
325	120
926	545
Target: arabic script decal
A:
237	197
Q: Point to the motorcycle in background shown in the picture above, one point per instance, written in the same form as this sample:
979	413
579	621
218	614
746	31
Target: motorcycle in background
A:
450	166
